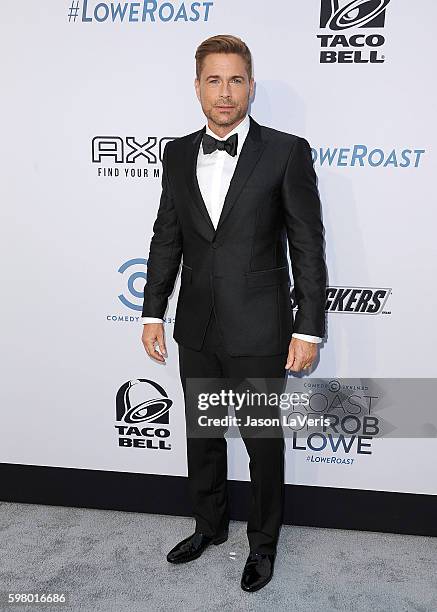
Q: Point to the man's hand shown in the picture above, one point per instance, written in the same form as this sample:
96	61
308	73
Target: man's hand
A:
301	354
154	333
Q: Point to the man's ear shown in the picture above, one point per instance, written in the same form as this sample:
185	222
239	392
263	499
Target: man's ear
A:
197	88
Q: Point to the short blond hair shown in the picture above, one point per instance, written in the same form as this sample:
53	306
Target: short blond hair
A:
223	43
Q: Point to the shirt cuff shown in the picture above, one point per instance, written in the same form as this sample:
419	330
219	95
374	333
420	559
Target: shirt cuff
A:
307	337
151	320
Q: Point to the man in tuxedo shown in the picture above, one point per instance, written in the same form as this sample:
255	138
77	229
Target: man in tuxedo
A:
234	193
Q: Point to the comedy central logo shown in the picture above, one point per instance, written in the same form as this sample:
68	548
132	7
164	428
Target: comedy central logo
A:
142	414
357	48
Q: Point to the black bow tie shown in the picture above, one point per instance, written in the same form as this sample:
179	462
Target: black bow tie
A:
210	144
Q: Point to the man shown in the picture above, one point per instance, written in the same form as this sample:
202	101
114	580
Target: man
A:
233	194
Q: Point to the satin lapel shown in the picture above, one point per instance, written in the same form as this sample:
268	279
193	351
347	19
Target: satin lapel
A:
249	155
191	174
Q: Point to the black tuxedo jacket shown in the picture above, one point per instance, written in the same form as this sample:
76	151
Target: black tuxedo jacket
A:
241	267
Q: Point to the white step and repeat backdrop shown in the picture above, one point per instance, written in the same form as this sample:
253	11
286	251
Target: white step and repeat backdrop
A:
91	92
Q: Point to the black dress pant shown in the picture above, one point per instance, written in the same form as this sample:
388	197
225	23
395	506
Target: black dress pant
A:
207	456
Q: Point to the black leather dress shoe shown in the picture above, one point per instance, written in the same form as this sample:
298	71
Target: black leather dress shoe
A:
258	571
193	546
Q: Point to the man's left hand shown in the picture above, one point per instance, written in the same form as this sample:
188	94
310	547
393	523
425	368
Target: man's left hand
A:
301	354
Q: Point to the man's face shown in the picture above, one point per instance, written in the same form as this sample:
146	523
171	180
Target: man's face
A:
224	88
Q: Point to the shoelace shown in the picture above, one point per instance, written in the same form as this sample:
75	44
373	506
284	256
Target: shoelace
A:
253	557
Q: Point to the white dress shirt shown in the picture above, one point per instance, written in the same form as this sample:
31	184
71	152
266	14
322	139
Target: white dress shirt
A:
214	174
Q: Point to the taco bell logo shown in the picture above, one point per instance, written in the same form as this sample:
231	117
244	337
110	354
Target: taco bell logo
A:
352	48
142	414
358	13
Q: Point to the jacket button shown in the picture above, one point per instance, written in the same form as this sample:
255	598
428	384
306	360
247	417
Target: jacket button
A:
214	245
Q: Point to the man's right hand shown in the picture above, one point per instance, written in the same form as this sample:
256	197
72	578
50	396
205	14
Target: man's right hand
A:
154	333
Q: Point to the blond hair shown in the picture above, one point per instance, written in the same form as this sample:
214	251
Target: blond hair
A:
223	43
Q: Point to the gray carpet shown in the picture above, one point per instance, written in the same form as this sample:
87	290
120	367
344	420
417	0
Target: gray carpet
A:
115	561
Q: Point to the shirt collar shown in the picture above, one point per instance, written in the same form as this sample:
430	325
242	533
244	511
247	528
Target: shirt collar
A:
241	129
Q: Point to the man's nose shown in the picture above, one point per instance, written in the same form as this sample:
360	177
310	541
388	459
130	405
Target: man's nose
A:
225	91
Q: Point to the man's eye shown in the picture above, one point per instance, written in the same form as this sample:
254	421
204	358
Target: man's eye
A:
216	80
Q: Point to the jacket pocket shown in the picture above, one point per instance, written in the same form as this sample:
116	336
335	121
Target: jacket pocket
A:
265	278
186	274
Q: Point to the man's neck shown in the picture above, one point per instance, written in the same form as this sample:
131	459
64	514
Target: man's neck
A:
223	130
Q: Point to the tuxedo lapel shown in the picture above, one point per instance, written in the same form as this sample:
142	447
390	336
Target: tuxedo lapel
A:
191	174
249	155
